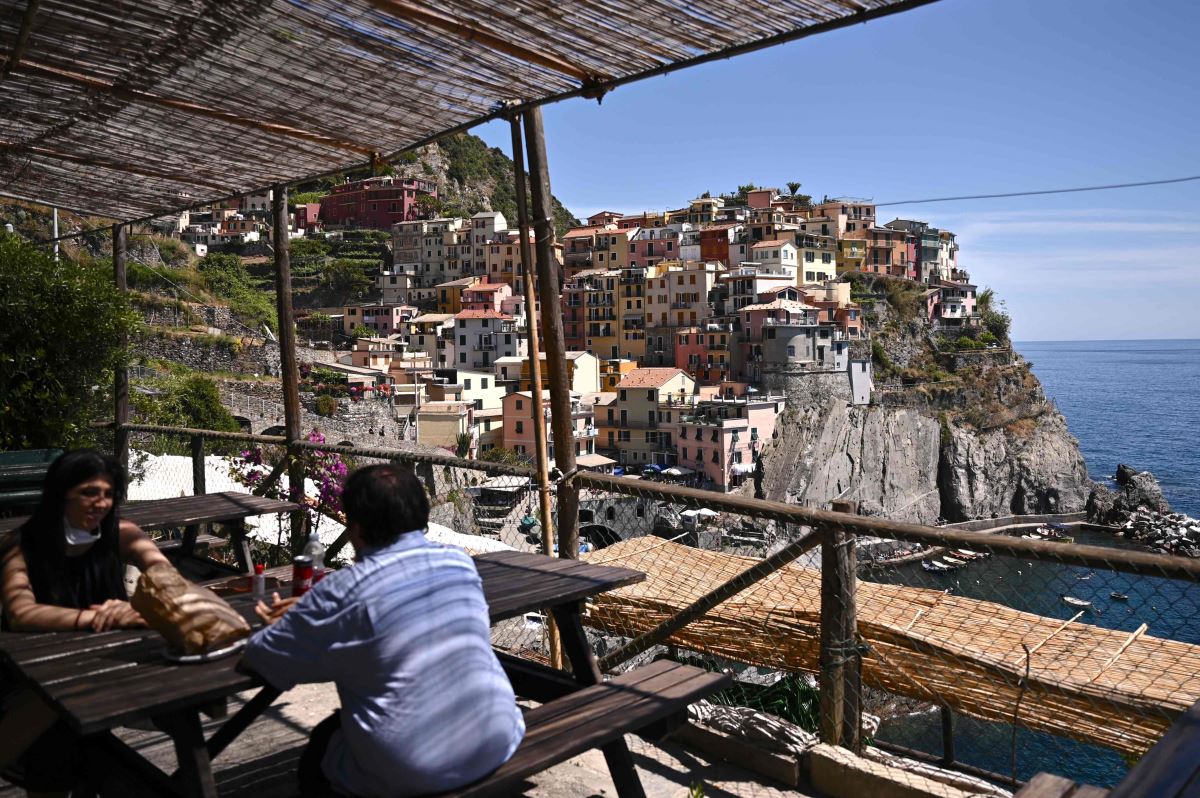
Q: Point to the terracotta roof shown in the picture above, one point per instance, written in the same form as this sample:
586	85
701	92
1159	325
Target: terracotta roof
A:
432	317
649	377
488	287
481	314
775	242
579	232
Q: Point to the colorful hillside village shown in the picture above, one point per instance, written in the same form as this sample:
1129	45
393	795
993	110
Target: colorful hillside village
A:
682	327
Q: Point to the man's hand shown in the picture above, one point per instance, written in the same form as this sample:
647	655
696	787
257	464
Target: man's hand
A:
115	614
276	610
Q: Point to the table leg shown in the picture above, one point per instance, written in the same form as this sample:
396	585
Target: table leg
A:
236	530
583	665
240	721
195	766
188	547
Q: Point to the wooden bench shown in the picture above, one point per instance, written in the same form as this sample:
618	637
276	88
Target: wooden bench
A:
21	477
596	716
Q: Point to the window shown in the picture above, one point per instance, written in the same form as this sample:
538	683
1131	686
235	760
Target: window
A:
622	394
462	340
809	256
462	357
482	384
826	257
683	452
791	350
714	456
466	385
520	427
650	396
610	513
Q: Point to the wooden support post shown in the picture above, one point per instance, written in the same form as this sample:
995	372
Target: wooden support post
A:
198	488
121	378
542	458
287	356
841	675
947	735
549	290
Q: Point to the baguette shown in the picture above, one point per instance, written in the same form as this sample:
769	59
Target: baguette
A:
193	619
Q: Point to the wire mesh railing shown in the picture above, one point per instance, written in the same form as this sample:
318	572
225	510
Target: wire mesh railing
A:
1059	648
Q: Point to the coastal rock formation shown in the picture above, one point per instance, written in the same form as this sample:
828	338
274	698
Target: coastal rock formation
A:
1018	470
917	462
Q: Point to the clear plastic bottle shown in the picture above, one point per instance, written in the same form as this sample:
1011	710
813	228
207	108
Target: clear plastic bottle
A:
316	549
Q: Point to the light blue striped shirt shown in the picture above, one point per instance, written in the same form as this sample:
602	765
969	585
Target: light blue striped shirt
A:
405	636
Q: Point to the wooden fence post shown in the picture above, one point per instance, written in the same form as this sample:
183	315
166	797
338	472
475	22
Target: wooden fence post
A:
841	672
198	477
562	422
290	370
121	377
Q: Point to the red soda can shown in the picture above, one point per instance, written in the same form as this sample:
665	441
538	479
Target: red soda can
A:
302	574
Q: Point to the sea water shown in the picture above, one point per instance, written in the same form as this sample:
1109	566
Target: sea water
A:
1132	402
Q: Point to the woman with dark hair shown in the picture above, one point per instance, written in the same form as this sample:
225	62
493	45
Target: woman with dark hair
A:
63	570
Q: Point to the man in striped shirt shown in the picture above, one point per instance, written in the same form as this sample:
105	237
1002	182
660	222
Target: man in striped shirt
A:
404	634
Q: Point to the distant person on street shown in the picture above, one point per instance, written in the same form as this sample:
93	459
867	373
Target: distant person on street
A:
404	634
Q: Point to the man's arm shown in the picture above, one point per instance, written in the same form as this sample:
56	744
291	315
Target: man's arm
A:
312	641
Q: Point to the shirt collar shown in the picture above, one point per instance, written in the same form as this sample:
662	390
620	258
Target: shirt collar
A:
409	540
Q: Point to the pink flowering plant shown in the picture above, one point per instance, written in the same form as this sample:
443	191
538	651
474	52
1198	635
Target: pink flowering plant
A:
326	470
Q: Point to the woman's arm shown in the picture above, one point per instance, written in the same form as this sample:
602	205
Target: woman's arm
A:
137	549
21	609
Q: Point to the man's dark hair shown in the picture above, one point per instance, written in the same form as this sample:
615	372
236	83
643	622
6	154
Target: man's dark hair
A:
385	501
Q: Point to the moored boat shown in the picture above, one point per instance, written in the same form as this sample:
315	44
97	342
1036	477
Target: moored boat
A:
1117	596
1077	602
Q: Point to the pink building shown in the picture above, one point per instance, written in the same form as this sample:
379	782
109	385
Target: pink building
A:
721	439
518	424
385	319
652	246
486	296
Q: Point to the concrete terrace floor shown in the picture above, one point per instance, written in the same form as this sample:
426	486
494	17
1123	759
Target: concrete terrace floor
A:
261	762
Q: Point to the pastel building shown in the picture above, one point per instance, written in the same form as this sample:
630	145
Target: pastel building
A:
385	319
482	336
777	256
721	439
433	335
519	432
635	415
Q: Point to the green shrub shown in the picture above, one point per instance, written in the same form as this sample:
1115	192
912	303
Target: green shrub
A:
880	358
326	406
61	338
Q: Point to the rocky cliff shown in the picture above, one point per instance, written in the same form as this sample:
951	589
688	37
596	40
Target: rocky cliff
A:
947	435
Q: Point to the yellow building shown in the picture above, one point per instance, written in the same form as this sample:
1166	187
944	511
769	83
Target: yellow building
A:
613	371
601	327
449	294
851	255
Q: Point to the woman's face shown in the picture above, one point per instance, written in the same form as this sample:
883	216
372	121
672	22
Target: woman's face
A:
88	502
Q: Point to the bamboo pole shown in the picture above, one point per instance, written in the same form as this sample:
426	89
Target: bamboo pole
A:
552	331
287	356
121	377
542	458
1141	630
1048	637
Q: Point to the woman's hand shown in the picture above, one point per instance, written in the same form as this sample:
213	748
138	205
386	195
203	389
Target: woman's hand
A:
115	614
274	612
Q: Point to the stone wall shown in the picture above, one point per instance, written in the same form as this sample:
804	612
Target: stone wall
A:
212	353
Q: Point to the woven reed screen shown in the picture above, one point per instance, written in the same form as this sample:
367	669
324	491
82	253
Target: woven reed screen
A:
1086	682
134	109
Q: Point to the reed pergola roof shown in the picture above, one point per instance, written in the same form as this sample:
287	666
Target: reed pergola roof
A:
133	110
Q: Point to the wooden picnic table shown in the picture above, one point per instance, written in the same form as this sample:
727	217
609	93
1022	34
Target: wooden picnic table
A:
228	510
98	682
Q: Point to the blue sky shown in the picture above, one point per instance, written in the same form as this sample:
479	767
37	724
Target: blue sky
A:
959	97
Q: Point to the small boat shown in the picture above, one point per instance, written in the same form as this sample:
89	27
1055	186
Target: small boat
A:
1077	602
963	554
1085	577
935	566
952	565
1118	596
